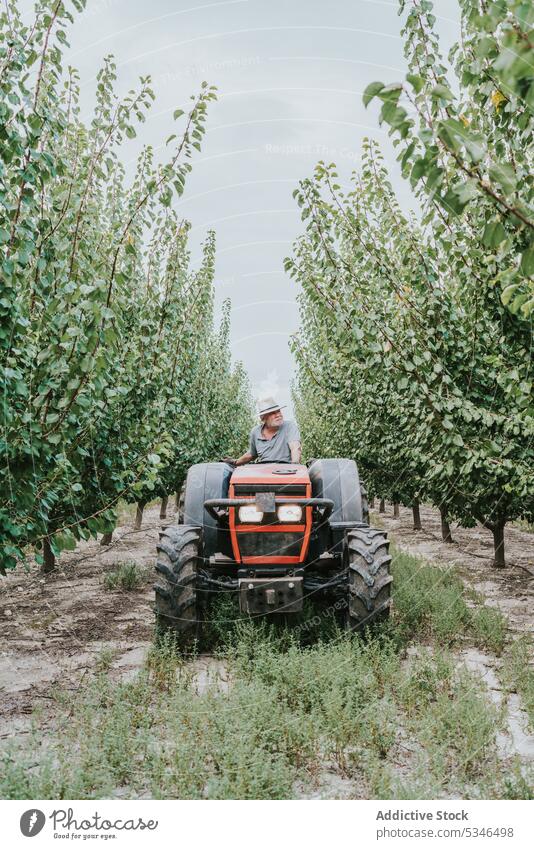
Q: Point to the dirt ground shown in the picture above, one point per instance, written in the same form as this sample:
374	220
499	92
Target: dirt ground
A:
54	628
511	590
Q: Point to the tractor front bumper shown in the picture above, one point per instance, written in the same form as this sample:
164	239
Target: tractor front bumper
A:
258	596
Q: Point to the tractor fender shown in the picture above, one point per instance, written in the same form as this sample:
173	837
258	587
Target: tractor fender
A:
206	481
338	479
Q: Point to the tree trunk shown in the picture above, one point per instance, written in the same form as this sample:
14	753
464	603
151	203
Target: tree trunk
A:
139	516
107	538
497	530
396	510
446	535
49	558
372	504
382	507
163	508
177	500
417	526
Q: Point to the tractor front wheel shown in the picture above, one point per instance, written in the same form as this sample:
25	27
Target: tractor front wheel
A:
177	596
367	561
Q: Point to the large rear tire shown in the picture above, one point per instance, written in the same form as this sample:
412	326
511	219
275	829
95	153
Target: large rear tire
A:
367	559
180	506
177	595
205	481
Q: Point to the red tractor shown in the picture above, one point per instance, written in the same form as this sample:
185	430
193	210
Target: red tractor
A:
275	533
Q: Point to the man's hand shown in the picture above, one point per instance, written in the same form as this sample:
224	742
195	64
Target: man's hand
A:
229	460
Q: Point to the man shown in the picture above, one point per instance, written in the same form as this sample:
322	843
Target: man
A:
273	440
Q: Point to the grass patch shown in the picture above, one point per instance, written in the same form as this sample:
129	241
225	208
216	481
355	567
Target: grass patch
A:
518	675
488	628
127	576
523	525
430	603
459	730
391	712
351	704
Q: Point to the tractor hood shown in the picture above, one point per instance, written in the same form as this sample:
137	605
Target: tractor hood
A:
277	474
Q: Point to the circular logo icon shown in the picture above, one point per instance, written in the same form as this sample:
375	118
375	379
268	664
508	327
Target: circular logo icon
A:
32	822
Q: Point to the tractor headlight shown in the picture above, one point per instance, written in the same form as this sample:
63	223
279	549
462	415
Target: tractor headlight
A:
250	513
290	513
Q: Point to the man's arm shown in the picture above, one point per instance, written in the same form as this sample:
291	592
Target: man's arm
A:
293	440
240	461
296	452
245	458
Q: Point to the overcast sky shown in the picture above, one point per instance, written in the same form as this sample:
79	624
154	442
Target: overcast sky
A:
290	75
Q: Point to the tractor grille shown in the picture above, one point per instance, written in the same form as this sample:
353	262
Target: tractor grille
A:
244	489
267	544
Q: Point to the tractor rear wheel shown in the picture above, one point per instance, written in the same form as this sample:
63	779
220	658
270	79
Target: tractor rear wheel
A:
205	481
177	595
367	561
180	501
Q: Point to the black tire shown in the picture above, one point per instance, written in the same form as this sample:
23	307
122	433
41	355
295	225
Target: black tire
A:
177	604
369	580
205	481
180	506
365	504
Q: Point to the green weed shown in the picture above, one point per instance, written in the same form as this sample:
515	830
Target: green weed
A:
430	603
488	627
517	673
127	576
429	600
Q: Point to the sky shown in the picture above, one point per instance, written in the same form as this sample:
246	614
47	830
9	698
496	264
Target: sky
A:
290	75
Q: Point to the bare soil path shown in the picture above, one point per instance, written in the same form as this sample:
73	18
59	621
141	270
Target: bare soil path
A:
54	628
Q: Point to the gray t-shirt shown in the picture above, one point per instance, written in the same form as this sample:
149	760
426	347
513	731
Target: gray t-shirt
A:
276	448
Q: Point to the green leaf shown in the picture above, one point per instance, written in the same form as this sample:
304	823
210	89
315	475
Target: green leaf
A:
392	115
64	541
418	170
504	175
527	262
508	293
416	82
390	93
442	92
467	191
475	147
372	90
494	233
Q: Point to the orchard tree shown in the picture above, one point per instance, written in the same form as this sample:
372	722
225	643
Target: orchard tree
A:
417	378
466	145
103	322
